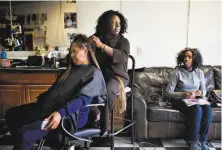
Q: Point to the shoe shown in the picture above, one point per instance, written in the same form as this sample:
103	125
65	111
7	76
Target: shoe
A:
103	134
204	145
195	146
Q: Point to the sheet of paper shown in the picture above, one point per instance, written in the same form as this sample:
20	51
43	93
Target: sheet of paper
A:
191	102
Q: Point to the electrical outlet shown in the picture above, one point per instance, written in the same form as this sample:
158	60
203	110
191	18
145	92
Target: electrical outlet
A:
139	50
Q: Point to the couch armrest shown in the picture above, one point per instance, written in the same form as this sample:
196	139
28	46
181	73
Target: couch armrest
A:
140	107
217	77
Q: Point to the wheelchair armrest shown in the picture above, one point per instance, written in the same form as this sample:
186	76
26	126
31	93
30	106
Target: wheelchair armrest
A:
73	136
91	105
84	133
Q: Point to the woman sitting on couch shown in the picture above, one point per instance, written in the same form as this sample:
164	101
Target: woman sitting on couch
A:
187	81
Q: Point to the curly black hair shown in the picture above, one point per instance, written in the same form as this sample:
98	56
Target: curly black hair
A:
197	58
104	21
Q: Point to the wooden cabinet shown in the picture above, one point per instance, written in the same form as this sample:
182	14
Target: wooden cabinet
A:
18	78
11	95
32	91
21	88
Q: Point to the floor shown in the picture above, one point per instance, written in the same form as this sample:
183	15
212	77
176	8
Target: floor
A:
121	143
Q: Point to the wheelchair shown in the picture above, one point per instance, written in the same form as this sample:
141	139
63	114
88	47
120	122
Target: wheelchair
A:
83	134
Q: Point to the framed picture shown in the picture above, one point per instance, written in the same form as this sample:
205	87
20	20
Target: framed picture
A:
70	20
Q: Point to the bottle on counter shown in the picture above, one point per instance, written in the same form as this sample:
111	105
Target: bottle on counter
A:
57	64
3	54
4	61
53	60
1	47
43	60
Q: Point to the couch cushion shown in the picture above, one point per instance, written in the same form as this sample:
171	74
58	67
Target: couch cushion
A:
152	80
209	77
217	77
157	113
216	114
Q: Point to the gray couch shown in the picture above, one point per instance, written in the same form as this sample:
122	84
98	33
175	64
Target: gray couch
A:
153	121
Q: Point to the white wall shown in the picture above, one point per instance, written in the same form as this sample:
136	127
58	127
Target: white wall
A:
157	30
89	11
205	30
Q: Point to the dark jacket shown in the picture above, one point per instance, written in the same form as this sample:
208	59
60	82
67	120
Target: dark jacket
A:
95	89
85	80
116	65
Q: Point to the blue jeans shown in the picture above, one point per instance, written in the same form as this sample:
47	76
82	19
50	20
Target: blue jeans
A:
25	131
198	120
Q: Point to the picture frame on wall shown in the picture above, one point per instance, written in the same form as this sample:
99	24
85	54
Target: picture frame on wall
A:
70	20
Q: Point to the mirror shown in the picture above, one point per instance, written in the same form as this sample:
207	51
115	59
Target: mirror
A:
33	37
21	32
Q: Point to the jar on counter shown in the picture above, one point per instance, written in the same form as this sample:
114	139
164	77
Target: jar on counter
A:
6	62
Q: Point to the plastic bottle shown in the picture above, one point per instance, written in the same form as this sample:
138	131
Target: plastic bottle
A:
1	48
53	60
3	54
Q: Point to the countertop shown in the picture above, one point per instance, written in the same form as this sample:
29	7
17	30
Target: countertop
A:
31	69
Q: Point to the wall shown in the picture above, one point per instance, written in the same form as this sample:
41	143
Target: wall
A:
157	29
157	34
205	30
89	11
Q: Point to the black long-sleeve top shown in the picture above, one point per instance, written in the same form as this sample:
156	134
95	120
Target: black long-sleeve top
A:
116	65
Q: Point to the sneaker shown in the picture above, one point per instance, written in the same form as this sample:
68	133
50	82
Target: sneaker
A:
204	145
195	146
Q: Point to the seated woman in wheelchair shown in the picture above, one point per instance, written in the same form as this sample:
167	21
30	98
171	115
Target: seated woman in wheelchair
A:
71	92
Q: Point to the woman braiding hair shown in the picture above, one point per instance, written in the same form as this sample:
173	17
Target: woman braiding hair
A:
112	53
